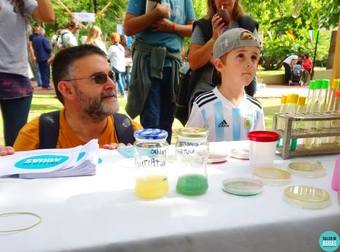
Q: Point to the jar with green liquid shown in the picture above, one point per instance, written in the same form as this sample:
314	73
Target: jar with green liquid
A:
192	153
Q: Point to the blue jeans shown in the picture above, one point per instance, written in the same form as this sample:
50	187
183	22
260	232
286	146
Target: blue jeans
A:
44	69
120	81
15	114
159	109
127	75
37	74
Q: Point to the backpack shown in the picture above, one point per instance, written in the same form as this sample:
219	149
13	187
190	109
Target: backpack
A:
58	42
49	129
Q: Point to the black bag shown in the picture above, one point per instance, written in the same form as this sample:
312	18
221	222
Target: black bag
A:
183	94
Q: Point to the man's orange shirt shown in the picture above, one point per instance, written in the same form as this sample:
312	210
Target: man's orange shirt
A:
28	137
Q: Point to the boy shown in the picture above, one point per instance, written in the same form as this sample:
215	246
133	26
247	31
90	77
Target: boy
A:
227	111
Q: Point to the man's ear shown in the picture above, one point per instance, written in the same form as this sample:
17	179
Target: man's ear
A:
218	64
66	89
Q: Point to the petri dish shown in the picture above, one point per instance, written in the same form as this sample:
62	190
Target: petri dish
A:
307	169
307	196
242	154
215	158
242	186
273	176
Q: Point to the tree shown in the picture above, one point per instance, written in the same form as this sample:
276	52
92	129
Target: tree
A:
287	26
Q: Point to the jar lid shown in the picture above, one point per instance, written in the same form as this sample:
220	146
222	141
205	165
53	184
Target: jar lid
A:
193	132
242	186
307	196
263	136
151	134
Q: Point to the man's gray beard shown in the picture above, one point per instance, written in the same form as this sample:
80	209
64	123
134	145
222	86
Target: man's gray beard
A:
96	111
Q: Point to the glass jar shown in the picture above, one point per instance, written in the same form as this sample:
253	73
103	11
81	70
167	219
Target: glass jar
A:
192	153
150	161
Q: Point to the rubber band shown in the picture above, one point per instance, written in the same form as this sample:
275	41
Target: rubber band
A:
39	220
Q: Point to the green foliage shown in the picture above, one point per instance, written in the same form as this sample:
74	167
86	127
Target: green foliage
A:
276	18
107	21
296	17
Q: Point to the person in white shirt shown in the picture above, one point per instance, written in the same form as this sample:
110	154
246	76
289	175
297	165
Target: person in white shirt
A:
95	38
116	55
68	37
288	66
227	111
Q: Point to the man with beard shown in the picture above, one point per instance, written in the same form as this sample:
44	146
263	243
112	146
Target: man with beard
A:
84	84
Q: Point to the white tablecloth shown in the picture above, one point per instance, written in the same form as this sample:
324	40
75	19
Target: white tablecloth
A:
101	213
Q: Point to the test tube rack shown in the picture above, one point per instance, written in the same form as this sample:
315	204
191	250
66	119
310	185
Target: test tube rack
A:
288	132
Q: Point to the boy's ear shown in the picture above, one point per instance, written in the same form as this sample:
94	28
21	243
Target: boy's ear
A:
218	64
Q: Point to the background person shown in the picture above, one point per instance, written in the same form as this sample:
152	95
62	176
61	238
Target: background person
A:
42	51
32	58
15	87
95	38
307	67
288	66
68	36
116	55
84	84
156	59
205	33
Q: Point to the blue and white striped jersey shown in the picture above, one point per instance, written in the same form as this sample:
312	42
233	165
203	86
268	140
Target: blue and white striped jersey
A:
225	121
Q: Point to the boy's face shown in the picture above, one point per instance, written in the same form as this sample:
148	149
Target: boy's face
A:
239	65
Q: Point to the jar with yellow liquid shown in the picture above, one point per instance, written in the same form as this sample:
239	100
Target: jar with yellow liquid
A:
192	155
150	162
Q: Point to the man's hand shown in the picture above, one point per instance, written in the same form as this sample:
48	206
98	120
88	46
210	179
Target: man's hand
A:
162	10
114	146
6	150
163	25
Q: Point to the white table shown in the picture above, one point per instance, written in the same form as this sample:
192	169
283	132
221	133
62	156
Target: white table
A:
101	213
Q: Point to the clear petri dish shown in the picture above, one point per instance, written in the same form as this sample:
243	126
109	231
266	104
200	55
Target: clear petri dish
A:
239	153
242	186
273	176
307	196
216	158
307	169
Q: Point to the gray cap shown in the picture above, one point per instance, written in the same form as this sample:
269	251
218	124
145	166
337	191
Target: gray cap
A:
232	39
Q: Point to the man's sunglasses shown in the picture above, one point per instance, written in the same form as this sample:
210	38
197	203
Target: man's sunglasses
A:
98	78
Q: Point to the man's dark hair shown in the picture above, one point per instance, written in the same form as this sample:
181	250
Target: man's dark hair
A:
63	61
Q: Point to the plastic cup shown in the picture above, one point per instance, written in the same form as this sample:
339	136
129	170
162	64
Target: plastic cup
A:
262	148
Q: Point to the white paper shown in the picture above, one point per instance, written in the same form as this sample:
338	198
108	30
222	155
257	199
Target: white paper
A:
78	161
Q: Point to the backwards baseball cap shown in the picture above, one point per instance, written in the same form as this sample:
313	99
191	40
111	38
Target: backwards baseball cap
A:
232	39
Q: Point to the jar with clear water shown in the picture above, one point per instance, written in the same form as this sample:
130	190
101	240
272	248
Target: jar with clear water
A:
150	162
192	153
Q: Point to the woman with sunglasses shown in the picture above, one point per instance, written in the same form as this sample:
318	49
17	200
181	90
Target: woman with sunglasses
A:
15	87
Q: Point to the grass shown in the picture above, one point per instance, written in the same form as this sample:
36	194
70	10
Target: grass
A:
42	103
